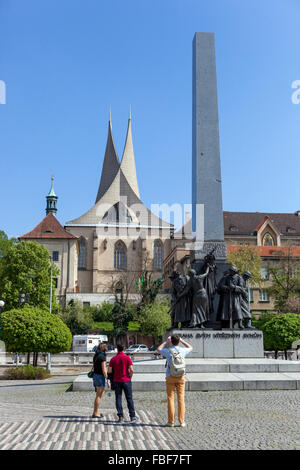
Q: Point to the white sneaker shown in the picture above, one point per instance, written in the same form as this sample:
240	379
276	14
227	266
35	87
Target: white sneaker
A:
182	425
171	425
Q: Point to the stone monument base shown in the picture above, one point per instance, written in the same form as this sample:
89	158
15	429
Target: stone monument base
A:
226	343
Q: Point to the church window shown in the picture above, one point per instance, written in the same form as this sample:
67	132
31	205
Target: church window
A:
268	240
55	255
157	258
82	254
120	256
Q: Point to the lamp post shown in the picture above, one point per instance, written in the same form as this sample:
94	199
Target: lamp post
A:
48	368
2	303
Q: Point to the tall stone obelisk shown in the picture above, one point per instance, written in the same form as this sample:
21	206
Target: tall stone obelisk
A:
206	172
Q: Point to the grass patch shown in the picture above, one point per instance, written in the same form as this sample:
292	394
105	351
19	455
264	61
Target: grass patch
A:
27	372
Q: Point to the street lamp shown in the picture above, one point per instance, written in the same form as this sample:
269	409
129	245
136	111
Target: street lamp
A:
2	303
48	368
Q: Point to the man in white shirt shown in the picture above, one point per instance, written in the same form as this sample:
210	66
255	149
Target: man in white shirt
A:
175	383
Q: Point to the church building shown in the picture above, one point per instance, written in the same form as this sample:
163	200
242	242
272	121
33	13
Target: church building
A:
119	238
108	248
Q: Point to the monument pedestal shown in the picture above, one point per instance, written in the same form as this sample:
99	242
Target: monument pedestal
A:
227	343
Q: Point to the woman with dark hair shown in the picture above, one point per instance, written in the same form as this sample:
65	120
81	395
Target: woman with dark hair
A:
100	374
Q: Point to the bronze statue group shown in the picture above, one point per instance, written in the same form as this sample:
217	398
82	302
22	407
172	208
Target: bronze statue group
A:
193	295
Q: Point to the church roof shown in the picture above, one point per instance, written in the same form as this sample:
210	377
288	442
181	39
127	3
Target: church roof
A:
118	189
49	227
128	162
52	192
110	165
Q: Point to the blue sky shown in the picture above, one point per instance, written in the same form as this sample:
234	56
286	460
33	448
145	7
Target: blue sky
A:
65	62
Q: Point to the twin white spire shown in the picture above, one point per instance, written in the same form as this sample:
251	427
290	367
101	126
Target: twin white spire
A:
111	164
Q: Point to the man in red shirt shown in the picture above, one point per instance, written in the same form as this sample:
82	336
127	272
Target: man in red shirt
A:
122	369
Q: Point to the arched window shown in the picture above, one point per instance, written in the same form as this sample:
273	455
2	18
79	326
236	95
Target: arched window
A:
120	256
82	254
268	240
157	255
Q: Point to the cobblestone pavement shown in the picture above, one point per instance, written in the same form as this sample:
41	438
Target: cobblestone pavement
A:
45	415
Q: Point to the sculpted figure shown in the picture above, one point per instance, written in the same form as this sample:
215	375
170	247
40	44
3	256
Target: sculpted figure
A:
200	300
180	305
229	308
209	282
244	278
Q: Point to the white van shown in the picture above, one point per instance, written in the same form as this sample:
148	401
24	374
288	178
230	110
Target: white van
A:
86	343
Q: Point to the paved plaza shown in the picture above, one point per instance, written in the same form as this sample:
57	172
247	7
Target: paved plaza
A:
47	415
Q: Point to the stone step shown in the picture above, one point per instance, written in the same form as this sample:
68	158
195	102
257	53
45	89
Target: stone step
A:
221	365
208	381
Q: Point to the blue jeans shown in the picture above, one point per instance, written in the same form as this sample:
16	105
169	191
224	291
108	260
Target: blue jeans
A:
126	386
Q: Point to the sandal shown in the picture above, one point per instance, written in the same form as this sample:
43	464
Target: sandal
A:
101	416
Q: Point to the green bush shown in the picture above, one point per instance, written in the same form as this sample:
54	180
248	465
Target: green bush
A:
281	331
134	326
78	318
154	319
31	329
101	313
103	325
27	372
263	318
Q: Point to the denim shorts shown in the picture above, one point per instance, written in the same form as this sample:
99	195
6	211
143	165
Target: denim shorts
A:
98	381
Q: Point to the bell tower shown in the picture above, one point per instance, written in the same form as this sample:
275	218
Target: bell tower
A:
51	200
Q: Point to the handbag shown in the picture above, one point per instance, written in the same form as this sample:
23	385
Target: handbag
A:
111	379
91	373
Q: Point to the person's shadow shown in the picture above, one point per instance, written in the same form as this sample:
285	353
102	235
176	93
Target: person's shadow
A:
87	419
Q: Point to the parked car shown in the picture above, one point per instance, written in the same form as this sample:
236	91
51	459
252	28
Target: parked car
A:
137	348
153	348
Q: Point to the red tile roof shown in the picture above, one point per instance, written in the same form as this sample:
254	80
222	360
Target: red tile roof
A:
48	228
269	251
248	222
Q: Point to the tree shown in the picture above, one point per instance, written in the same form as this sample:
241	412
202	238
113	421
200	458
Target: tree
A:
77	318
122	314
5	243
148	288
246	258
25	268
31	329
292	305
281	332
154	318
101	313
285	278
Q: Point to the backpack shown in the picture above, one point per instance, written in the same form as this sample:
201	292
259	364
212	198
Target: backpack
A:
177	363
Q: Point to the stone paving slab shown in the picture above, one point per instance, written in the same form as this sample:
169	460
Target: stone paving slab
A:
225	420
52	428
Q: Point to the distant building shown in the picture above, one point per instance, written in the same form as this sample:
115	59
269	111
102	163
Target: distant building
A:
62	246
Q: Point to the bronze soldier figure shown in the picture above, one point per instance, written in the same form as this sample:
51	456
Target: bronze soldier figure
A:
229	308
